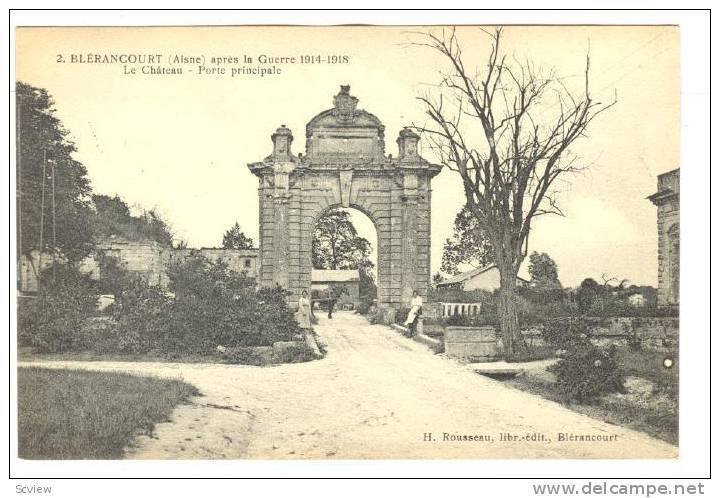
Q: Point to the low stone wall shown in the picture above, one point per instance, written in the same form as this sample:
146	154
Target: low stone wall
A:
650	333
475	344
485	343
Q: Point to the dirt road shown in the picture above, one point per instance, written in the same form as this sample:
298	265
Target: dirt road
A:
375	395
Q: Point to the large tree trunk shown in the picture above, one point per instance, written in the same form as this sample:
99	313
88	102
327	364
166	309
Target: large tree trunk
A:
513	343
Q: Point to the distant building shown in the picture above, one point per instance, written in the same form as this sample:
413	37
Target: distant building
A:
323	280
667	200
144	258
238	260
486	278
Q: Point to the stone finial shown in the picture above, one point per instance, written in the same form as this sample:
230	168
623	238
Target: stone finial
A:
345	104
407	143
282	140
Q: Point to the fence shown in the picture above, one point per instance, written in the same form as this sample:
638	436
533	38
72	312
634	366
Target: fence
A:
466	309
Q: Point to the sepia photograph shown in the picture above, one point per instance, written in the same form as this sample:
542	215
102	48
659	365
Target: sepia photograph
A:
410	242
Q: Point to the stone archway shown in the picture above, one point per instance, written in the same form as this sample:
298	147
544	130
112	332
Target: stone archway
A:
345	165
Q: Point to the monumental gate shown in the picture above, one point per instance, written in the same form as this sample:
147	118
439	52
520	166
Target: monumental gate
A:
345	165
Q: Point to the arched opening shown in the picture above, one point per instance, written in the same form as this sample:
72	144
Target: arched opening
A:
344	260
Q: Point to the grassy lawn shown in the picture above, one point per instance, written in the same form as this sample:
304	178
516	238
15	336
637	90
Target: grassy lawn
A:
26	354
654	412
76	414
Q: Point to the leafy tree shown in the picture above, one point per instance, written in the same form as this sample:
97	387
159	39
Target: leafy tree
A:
543	271
45	157
469	244
113	218
590	294
506	127
437	278
236	239
337	246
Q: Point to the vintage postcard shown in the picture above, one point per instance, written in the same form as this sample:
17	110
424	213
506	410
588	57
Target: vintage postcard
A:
347	242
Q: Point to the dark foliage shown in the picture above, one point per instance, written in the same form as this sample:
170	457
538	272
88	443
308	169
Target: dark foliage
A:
585	371
45	156
53	320
234	238
113	218
337	246
469	244
543	271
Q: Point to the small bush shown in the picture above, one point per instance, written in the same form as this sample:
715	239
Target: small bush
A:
585	371
52	321
588	372
143	318
445	295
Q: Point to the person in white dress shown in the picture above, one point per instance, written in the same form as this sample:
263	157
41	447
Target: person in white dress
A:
303	312
415	311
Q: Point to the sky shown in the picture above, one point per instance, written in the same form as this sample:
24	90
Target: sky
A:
181	143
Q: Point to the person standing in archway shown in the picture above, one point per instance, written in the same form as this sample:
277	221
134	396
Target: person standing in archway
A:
415	312
331	301
303	312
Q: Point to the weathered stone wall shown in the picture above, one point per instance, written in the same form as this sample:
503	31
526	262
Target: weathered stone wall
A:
651	334
472	343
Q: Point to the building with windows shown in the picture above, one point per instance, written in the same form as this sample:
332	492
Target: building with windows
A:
349	280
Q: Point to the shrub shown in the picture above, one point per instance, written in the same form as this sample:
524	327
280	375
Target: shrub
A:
52	322
449	295
212	306
478	320
585	371
144	320
216	306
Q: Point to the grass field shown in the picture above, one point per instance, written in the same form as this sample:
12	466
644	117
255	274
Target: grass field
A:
76	414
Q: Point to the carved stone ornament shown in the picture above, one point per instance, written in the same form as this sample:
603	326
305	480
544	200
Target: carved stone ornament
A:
345	105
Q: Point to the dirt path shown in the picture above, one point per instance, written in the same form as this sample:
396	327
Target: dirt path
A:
375	395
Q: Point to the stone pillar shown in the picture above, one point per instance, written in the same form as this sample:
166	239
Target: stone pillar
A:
408	158
283	165
409	238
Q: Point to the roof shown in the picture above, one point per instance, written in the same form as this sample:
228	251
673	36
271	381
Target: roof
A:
335	275
462	277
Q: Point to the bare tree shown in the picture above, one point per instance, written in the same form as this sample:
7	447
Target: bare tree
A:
506	128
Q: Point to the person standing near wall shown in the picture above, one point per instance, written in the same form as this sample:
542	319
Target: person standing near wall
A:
415	312
303	312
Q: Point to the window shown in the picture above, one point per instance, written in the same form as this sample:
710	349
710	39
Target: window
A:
247	263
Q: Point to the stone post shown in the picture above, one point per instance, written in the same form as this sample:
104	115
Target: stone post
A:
283	166
408	157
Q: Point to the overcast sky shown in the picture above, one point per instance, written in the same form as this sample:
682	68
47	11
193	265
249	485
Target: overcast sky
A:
181	143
